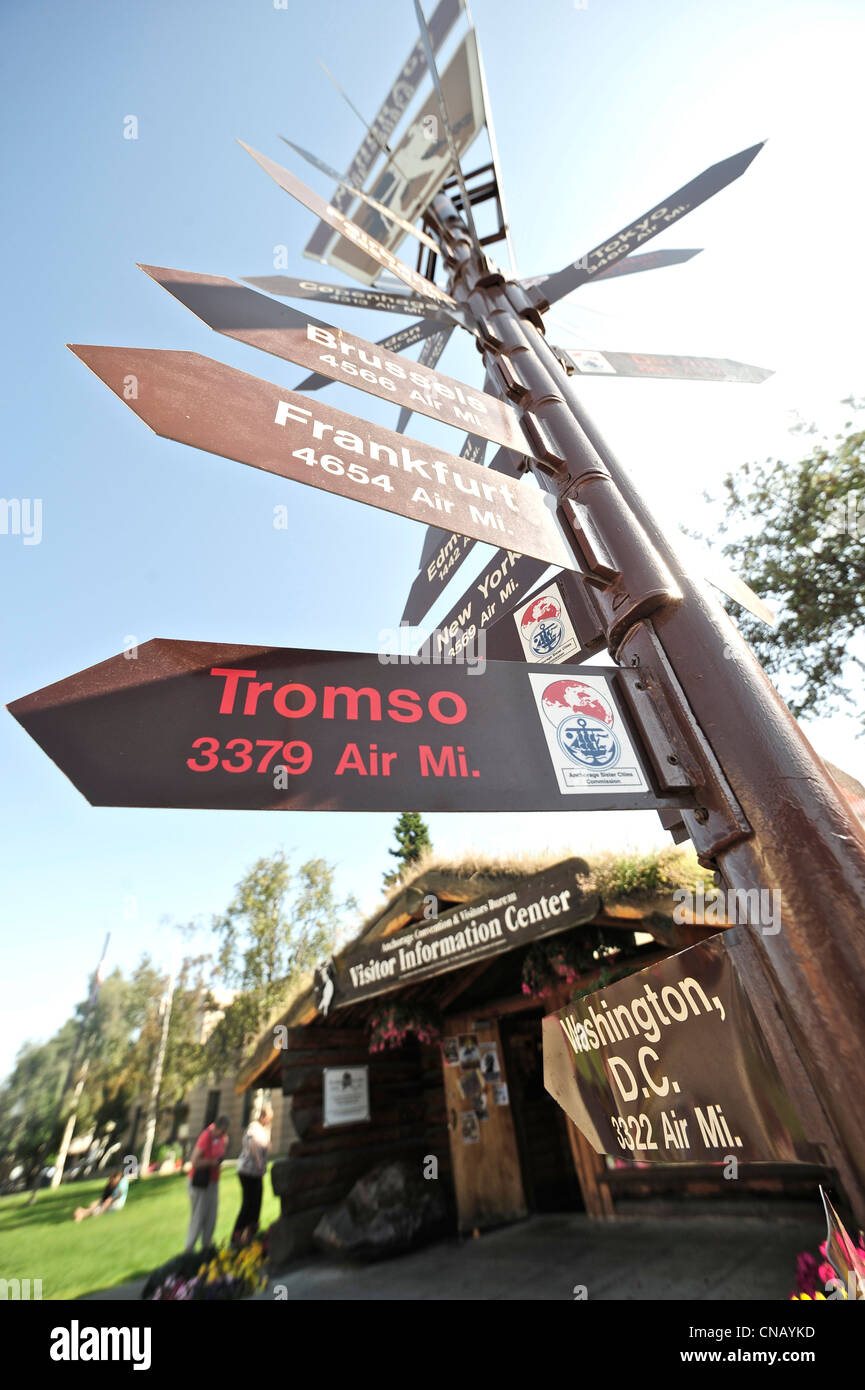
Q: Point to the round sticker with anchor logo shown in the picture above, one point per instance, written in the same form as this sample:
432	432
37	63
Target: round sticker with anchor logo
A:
584	723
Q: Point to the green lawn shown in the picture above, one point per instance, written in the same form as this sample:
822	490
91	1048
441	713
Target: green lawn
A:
43	1242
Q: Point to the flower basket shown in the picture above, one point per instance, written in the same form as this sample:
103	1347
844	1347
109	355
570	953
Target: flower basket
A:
220	1273
393	1024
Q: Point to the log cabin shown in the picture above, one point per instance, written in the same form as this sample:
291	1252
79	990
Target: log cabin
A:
422	1041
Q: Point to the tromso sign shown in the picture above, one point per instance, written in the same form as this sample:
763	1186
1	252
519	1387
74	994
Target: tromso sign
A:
199	724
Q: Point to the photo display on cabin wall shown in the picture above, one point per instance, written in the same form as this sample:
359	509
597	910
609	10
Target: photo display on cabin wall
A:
490	1070
469	1127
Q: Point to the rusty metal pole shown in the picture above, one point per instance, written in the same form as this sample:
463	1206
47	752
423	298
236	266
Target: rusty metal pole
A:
769	816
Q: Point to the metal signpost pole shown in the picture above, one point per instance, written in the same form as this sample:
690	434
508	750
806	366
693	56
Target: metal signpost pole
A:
769	817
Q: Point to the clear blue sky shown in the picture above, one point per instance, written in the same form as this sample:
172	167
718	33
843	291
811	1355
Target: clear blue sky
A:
600	113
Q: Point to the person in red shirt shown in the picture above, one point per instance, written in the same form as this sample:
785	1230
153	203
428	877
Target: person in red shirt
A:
203	1185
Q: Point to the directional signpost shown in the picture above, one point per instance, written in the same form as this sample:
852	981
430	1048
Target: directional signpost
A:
593	362
751	1041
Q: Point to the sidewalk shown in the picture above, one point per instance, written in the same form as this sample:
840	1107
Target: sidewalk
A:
679	1258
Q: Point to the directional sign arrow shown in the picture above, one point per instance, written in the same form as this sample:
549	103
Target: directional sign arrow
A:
500	587
241	313
593	362
419	165
196	401
691	195
649	260
390	113
198	724
706	1087
384	301
350	230
394	217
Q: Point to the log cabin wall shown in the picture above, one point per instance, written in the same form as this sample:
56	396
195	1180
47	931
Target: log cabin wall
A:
407	1120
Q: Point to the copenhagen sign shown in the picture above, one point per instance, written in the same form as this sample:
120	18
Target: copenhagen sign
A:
670	1066
549	902
198	724
385	301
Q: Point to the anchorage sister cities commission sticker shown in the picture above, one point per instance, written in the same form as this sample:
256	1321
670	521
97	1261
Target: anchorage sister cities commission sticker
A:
588	744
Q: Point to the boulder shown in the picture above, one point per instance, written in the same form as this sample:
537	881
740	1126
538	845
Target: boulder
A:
390	1210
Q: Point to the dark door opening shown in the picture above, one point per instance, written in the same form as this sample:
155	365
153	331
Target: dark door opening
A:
549	1178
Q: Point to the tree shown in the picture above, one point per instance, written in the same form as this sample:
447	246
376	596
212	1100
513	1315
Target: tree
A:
412	840
797	535
280	923
120	1041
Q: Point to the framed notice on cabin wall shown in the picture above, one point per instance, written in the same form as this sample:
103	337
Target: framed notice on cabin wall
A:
346	1095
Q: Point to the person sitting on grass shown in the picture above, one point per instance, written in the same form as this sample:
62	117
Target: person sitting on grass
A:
112	1199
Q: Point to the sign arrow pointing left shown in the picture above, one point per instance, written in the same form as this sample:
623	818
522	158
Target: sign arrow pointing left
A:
194	400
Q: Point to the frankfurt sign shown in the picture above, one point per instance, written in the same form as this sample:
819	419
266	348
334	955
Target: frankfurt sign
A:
194	400
198	724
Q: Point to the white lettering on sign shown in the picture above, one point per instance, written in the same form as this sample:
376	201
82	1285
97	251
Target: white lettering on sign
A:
430	469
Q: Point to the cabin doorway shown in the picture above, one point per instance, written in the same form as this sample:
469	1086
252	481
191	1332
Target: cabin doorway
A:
550	1181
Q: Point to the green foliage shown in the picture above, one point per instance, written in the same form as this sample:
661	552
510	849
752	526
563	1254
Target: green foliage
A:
637	876
797	536
119	1042
280	922
77	1258
412	842
547	963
